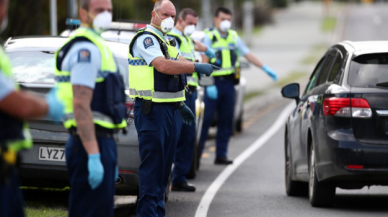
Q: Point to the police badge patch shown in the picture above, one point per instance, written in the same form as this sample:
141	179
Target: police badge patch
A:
84	55
148	42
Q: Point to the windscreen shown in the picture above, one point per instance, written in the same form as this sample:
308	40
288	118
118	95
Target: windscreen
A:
39	66
369	70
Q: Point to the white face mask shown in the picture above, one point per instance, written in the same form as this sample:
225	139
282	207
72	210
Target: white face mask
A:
4	24
167	24
102	21
189	30
225	25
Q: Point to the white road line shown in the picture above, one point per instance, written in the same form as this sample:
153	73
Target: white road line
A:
211	192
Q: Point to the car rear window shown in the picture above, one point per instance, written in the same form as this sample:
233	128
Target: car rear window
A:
39	67
33	67
369	70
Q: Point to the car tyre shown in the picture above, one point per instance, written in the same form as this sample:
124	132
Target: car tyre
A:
197	148
239	123
193	168
168	188
198	157
293	188
320	194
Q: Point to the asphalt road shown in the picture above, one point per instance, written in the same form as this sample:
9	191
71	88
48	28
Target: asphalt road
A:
256	187
366	22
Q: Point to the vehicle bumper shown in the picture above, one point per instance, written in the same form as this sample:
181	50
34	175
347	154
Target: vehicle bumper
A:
127	184
44	176
49	174
333	159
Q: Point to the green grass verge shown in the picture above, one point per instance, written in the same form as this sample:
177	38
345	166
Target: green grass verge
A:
255	31
37	209
252	95
293	77
316	52
328	24
46	202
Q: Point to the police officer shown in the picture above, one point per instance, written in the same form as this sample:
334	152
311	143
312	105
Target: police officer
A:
221	97
15	107
157	82
181	33
92	90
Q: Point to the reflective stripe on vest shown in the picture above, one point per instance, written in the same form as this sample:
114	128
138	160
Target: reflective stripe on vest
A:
66	78
186	47
224	48
103	120
65	92
141	77
26	141
191	79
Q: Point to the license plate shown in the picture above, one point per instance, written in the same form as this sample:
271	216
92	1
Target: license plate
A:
51	154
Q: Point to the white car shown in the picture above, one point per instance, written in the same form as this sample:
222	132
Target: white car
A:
240	91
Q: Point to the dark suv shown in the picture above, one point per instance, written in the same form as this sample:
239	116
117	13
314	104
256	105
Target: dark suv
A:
337	135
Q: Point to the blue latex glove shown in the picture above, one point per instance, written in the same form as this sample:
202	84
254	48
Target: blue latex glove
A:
204	68
212	92
55	106
96	170
210	53
270	72
116	173
187	115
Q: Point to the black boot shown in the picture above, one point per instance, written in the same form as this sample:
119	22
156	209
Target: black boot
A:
222	161
183	187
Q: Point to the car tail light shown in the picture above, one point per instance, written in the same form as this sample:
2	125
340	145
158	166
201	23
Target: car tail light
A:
126	171
361	108
129	105
333	105
139	25
355	167
347	107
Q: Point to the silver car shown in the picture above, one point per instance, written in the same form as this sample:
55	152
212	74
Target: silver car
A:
44	165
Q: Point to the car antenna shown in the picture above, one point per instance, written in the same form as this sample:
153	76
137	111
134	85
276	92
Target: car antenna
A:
120	16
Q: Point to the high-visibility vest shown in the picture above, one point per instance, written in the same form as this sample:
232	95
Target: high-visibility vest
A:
103	115
186	47
146	82
226	52
14	133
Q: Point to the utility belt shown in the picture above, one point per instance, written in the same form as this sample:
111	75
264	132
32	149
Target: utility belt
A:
147	105
7	164
99	131
235	77
191	89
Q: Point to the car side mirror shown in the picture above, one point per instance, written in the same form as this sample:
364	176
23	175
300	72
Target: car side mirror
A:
205	81
291	91
244	65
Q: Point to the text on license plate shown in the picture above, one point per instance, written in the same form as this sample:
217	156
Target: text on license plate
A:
51	154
